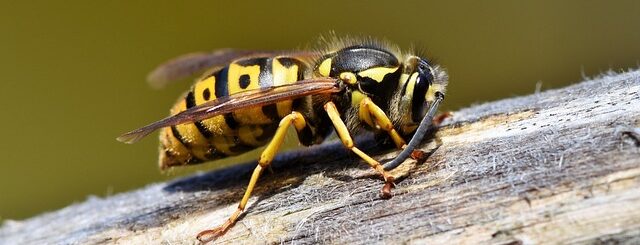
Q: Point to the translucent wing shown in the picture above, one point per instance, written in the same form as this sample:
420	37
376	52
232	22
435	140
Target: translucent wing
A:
191	64
237	101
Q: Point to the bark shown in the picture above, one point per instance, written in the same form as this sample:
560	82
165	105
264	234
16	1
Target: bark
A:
561	166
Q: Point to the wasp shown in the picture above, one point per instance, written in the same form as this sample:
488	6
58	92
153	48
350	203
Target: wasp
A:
249	98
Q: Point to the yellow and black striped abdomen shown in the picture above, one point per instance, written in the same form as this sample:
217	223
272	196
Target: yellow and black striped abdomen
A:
233	133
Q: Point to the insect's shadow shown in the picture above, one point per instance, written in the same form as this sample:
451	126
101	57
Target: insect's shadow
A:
325	154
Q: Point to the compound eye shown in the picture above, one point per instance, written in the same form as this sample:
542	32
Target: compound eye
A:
423	81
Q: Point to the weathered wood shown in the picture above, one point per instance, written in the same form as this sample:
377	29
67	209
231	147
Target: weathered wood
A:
561	166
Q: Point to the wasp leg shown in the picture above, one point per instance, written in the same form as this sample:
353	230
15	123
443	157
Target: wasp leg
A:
264	161
346	139
371	114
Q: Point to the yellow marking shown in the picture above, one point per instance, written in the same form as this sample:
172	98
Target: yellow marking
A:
348	78
197	143
356	97
217	126
325	67
377	73
250	115
284	108
201	86
248	135
412	82
235	71
282	76
403	80
368	109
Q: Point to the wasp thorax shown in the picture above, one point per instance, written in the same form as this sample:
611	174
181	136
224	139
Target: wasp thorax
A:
368	70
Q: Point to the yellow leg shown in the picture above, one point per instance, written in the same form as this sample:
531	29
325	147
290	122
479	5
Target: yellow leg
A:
264	161
371	114
346	139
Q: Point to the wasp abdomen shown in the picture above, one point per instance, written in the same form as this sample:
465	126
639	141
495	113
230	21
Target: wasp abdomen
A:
233	133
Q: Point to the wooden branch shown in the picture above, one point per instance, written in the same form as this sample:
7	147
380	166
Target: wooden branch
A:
561	166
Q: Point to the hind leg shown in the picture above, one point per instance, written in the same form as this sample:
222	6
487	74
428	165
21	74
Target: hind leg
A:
297	120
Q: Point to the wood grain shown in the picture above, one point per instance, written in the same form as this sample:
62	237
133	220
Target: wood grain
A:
561	166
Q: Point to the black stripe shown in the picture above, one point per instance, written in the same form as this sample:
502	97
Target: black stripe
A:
404	88
249	61
214	153
176	133
305	136
231	122
203	130
271	111
222	86
301	69
267	132
360	58
240	146
287	62
168	154
192	158
191	102
297	104
190	99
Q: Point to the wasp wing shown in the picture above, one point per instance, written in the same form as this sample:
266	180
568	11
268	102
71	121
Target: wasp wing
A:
190	64
251	98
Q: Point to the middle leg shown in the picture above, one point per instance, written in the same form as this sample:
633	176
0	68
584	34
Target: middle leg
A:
347	141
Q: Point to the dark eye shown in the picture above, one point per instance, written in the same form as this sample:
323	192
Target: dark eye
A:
423	81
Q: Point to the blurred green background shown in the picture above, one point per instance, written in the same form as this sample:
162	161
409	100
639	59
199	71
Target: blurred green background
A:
72	73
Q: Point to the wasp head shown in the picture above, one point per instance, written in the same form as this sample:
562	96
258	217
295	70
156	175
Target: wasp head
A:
421	83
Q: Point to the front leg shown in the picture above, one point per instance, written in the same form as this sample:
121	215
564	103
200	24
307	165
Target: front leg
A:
372	115
347	141
375	117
